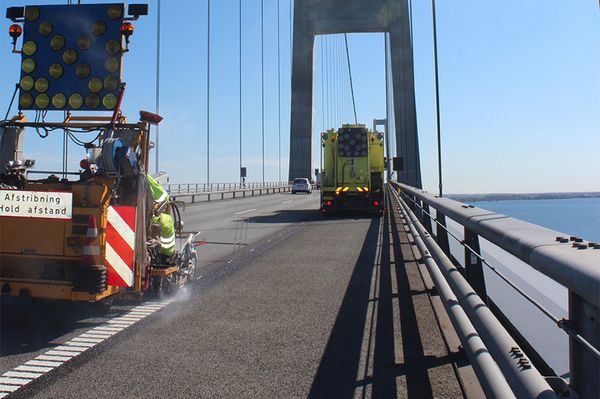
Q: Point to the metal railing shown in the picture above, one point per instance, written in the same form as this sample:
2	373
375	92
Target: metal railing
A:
569	261
210	191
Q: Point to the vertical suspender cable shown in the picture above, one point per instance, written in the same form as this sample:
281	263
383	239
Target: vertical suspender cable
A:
334	80
157	108
322	84
350	74
279	87
437	99
326	81
208	95
387	106
240	78
262	67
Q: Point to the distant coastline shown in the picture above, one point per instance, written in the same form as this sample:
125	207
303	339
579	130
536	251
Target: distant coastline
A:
519	196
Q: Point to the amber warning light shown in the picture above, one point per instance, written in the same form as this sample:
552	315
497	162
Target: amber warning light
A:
150	118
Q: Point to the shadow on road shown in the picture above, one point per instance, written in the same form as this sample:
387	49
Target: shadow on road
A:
29	325
287	216
364	353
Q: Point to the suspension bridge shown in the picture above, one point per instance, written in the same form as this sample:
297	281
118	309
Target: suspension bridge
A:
435	298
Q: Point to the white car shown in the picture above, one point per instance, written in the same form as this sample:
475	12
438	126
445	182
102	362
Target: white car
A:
301	184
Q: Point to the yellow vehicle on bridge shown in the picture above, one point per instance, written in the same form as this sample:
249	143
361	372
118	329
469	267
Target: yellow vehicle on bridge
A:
87	235
352	170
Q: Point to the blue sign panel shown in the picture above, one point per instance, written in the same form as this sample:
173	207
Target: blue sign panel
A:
71	57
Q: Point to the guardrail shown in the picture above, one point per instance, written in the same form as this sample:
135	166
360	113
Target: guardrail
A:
569	261
224	190
179	188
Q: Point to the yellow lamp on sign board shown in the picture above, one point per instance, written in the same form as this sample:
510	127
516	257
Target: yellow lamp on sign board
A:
55	71
112	47
70	56
59	100
75	101
42	101
57	43
42	85
114	12
29	47
111	65
26	83
92	101
98	27
45	28
32	14
28	65
109	101
111	83
95	85
84	42
26	100
82	71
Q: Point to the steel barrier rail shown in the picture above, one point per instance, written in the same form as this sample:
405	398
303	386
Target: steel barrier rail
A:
204	187
524	379
233	193
576	266
488	373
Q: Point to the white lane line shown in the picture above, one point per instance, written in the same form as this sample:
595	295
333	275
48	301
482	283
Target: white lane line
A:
62	353
36	369
14	381
69	348
44	363
54	358
90	340
242	212
22	374
287	202
82	344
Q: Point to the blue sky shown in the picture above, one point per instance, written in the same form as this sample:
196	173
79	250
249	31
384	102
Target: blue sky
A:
519	91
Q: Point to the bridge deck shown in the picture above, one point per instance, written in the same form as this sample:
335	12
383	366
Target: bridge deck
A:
333	307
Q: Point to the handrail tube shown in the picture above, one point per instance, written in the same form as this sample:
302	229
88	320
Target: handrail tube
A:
537	246
488	373
521	374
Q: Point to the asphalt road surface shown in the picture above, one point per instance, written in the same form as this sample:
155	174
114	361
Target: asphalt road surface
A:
287	304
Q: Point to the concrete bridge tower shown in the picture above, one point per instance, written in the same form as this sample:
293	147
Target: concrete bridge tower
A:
318	17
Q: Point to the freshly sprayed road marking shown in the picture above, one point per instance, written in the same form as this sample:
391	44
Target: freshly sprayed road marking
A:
242	212
36	369
23	374
287	202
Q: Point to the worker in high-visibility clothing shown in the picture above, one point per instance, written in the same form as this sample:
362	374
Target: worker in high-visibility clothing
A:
165	220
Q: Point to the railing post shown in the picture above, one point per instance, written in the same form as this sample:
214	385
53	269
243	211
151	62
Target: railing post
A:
193	196
473	266
584	367
427	219
441	235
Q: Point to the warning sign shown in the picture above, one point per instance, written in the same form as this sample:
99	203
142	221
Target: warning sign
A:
36	204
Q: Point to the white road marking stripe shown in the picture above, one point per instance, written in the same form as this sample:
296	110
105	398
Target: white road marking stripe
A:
242	212
287	202
14	381
54	358
124	318
83	344
44	363
62	353
123	324
69	348
8	388
97	334
118	265
21	374
92	340
121	227
37	369
107	330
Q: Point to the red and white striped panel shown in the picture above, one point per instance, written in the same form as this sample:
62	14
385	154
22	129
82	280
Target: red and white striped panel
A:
120	245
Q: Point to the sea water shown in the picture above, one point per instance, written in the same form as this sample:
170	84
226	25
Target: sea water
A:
571	216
